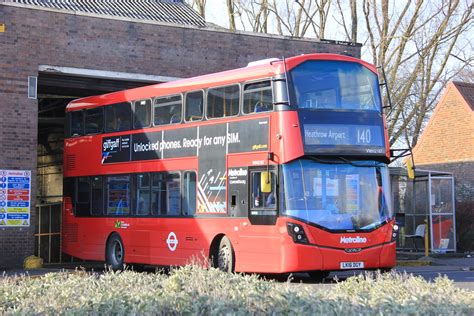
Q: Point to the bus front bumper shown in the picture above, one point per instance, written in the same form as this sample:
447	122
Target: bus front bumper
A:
312	257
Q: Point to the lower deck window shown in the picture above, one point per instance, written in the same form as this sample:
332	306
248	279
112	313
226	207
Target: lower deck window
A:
166	194
139	194
97	200
118	195
189	193
83	202
143	195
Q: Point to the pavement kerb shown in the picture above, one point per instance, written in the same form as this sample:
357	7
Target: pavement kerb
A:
432	268
415	263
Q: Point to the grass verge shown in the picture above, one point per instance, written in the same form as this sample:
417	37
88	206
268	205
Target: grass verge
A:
193	290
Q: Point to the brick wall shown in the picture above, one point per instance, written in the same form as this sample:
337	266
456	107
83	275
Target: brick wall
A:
449	135
48	37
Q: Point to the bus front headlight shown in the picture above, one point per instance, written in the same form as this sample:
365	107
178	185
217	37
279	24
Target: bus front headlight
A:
296	231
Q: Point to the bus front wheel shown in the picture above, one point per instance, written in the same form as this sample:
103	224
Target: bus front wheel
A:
115	252
225	256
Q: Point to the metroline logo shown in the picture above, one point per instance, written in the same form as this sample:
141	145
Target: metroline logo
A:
353	240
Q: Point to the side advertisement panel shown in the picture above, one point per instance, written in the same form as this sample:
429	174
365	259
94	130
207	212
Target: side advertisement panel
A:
210	143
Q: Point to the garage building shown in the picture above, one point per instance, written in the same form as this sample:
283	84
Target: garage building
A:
53	51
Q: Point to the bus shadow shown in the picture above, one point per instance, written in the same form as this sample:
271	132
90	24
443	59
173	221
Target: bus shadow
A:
301	278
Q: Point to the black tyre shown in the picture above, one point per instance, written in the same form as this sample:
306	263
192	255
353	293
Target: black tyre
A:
225	260
115	253
318	276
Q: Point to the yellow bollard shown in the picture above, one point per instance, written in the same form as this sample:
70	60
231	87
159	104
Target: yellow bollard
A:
426	238
32	262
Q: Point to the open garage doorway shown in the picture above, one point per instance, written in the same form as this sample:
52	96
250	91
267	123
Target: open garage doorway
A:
56	87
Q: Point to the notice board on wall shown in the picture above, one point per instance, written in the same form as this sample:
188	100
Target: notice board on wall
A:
15	198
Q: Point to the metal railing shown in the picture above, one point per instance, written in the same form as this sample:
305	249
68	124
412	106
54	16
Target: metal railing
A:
48	241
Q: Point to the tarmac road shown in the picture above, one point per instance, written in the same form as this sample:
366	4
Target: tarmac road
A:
461	278
460	270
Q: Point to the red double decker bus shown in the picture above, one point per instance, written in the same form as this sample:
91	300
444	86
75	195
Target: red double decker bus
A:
277	167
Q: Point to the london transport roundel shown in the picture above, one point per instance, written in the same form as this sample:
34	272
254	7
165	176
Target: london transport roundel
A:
172	241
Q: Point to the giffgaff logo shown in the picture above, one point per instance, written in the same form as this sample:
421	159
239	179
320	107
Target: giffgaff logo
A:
353	240
110	144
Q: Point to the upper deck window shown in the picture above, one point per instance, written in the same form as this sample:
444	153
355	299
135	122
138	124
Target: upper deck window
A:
258	97
167	110
194	106
223	101
142	114
335	85
77	123
94	120
118	117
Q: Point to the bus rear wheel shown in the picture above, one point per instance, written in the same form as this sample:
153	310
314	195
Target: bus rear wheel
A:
225	256
115	253
318	276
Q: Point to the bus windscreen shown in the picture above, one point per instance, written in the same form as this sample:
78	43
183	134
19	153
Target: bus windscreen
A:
337	196
335	85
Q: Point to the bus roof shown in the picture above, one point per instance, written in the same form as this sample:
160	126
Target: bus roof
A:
255	70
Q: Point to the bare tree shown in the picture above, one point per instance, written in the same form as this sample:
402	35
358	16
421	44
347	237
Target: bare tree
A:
414	42
466	75
350	32
307	14
296	18
353	21
200	5
254	14
231	14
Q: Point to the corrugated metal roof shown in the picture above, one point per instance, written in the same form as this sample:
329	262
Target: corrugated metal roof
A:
170	11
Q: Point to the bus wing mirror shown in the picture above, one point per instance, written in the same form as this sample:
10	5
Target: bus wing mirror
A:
266	182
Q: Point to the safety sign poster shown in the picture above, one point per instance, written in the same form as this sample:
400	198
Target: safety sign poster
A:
15	198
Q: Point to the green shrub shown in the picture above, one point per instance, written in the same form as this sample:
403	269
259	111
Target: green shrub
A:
193	290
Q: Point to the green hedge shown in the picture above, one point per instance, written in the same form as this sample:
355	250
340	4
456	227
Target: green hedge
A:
192	290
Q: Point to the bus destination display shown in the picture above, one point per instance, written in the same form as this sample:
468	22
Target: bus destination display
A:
367	139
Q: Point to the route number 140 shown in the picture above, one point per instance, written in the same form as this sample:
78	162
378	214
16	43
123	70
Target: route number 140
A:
363	136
